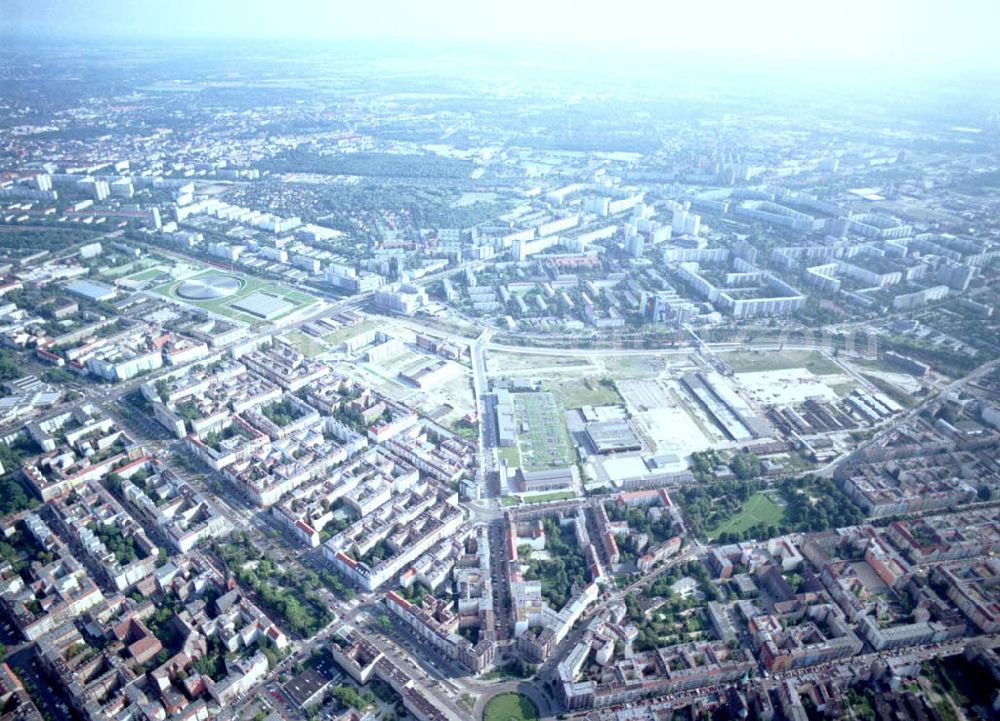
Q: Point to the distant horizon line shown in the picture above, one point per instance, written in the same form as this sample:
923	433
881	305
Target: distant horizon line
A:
494	46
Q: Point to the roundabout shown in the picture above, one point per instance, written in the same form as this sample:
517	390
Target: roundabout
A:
510	706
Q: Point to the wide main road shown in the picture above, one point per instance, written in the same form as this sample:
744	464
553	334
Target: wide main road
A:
480	390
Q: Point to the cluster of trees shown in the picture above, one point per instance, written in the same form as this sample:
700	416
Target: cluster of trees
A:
385	165
347	697
214	439
330	580
162	389
13	496
443	213
379	552
940	357
19	551
11	366
566	568
415	593
290	595
745	466
669	630
516	668
58	376
354	419
334	526
23	241
971	326
816	504
695	569
816	311
34	299
122	546
281	413
638	519
351	417
188	463
137	400
9	554
707	506
757	531
673	621
188	412
361	210
703	463
213	663
811	504
160	624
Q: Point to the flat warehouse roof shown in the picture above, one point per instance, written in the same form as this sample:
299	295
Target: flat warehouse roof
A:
91	289
611	436
263	305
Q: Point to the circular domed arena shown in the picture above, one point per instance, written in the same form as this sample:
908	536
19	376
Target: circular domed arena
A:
208	287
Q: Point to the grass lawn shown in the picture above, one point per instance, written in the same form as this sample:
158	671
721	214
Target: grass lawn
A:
753	361
576	392
121	270
509	501
844	389
968	684
305	344
460	429
146	274
757	509
510	454
634	366
514	362
349	331
510	707
548	497
861	707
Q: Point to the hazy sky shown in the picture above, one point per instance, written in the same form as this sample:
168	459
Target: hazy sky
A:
928	33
